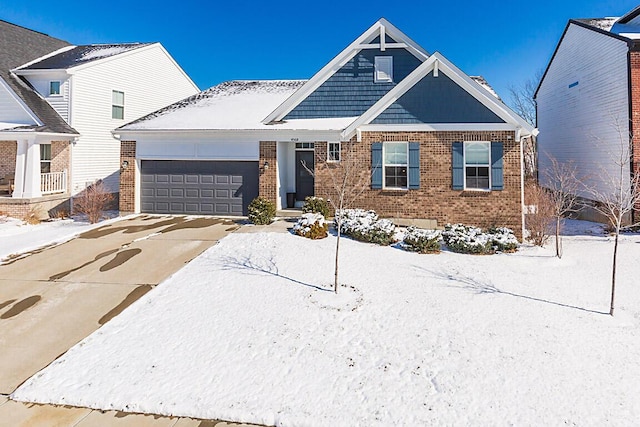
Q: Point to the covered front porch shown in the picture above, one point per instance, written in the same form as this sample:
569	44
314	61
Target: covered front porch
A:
33	167
296	165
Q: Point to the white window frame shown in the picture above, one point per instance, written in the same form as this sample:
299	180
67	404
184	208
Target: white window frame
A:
464	165
385	164
43	159
114	104
51	92
332	151
383	69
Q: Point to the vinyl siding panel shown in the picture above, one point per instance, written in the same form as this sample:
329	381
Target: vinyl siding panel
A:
149	79
11	111
352	90
584	92
437	100
60	103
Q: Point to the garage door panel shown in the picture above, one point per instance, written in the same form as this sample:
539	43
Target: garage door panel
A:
198	187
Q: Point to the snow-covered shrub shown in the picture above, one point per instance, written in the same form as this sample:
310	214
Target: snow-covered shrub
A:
311	226
261	211
503	239
422	241
472	240
466	239
365	226
316	205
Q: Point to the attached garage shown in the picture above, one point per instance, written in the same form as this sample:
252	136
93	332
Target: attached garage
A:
198	187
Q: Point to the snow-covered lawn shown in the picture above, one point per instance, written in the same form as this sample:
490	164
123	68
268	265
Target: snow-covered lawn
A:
245	333
18	237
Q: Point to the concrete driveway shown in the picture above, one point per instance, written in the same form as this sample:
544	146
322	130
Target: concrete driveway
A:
53	298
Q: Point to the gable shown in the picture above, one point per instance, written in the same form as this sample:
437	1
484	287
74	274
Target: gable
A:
351	90
437	100
11	110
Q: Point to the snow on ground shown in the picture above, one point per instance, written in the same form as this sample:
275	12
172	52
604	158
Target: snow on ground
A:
18	237
245	332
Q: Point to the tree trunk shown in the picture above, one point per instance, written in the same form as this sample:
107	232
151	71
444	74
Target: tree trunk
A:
558	243
613	274
335	276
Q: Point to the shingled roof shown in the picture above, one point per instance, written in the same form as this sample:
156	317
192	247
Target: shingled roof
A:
19	45
79	55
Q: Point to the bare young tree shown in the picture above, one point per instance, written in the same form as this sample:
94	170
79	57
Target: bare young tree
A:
539	216
620	197
347	181
563	184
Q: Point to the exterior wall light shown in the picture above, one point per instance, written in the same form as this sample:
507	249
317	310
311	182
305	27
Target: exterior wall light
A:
266	165
125	164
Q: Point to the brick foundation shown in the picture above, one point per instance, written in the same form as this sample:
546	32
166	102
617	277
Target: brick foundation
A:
127	201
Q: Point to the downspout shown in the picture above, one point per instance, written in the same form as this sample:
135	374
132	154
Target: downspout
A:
519	139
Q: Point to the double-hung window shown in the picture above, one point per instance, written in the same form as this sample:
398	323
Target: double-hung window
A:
383	69
45	158
477	165
117	104
395	164
333	151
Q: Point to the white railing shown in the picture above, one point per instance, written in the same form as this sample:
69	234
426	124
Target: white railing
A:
53	182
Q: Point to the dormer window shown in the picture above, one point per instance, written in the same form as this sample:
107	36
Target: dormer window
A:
383	69
54	88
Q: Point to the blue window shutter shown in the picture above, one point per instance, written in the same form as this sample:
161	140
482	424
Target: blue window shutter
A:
414	165
497	181
457	166
376	165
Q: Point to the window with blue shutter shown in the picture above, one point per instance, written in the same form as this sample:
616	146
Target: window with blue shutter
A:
414	165
376	165
457	165
497	179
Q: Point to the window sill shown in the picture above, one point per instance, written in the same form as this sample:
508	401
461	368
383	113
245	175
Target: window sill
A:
394	190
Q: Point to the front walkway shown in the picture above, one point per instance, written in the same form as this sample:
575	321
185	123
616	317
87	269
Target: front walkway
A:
53	298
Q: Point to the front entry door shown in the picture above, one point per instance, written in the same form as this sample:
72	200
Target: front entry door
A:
304	179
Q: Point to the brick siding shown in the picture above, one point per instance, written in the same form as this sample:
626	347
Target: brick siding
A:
435	199
634	57
127	201
8	153
268	177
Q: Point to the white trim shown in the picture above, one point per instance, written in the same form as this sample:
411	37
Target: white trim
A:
231	134
342	58
386	45
383	40
433	127
464	165
384	164
464	81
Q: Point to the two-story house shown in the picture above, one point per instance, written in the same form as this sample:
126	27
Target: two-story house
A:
59	104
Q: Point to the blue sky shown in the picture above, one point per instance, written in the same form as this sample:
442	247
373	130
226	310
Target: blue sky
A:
214	41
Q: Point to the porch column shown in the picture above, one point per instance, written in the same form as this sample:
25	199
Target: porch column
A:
27	177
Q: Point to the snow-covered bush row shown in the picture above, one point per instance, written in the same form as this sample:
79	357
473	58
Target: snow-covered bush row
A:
312	226
472	240
422	241
365	226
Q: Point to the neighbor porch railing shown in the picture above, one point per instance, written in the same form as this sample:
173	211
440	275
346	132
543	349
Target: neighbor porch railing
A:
53	182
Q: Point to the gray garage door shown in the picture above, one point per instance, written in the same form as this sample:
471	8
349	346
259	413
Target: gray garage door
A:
197	187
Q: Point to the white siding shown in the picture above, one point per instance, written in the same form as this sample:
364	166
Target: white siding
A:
60	103
149	79
576	121
11	110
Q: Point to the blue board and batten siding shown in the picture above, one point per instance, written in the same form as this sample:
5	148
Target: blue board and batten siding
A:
352	90
437	100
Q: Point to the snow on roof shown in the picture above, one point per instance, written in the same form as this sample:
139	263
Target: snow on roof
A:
482	82
82	54
601	23
233	105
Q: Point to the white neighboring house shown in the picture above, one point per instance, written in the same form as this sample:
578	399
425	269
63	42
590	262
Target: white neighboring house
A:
59	146
586	98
